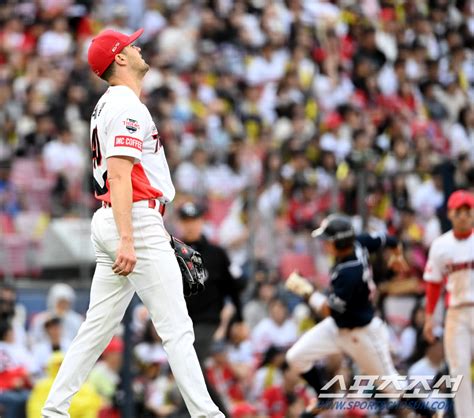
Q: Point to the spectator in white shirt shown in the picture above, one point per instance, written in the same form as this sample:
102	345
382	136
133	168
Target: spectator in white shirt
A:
63	156
278	329
56	42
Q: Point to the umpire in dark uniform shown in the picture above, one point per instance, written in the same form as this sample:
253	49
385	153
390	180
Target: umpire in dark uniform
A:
220	286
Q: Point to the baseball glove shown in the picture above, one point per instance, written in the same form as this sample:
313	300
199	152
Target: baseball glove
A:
192	267
299	285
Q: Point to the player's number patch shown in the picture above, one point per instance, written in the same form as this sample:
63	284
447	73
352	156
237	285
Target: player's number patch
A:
95	147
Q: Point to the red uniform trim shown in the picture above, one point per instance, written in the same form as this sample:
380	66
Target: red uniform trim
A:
433	291
128	141
142	189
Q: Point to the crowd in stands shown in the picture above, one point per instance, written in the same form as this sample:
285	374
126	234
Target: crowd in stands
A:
272	114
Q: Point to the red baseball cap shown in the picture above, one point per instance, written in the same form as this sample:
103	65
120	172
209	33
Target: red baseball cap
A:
460	198
242	409
115	346
105	46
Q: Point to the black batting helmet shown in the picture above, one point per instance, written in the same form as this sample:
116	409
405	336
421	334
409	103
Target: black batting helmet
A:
338	229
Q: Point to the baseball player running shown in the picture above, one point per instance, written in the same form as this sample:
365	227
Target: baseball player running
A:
132	247
452	255
350	326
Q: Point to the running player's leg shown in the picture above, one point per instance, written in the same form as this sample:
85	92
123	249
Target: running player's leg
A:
457	340
369	348
110	296
157	280
316	344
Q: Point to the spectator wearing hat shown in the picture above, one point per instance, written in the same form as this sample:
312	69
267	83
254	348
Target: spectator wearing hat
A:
105	376
60	303
205	309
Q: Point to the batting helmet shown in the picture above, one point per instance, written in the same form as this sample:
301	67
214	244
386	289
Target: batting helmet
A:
338	229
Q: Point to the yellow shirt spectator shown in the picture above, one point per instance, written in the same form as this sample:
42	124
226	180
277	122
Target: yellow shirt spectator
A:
85	404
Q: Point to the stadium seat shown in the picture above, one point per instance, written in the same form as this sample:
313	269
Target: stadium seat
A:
303	263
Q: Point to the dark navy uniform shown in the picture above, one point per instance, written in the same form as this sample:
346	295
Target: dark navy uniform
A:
351	328
352	282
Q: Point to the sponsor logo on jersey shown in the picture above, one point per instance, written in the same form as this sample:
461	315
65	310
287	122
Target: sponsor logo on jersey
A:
131	125
128	141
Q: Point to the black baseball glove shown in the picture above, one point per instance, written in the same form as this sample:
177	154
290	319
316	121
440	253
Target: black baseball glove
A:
192	267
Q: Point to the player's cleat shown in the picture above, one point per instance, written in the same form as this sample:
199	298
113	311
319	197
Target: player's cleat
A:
315	408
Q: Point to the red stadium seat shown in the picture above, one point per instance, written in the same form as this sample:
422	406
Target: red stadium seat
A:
303	263
217	210
14	255
7	225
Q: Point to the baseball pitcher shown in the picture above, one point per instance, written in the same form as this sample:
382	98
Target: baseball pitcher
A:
132	247
452	256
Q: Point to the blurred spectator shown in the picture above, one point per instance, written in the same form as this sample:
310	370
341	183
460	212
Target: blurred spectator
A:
85	404
156	386
223	375
64	157
105	377
13	312
15	369
40	134
150	346
269	373
240	350
43	350
278	329
9	199
60	303
57	41
278	400
256	309
433	361
244	410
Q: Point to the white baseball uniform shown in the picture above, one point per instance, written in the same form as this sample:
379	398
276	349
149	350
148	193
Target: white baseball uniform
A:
454	258
122	126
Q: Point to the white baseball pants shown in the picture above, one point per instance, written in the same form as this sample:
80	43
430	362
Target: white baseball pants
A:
368	346
157	281
459	347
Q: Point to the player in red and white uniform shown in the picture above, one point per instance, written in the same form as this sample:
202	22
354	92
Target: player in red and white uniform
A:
133	250
452	257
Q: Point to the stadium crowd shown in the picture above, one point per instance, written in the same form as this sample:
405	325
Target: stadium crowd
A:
272	114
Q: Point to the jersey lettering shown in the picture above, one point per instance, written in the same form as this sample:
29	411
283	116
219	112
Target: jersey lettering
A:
95	147
128	141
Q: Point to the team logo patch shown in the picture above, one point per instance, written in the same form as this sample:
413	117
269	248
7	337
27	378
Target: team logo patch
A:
128	141
131	125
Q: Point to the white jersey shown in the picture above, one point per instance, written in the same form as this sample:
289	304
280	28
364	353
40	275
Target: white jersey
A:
454	259
121	125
